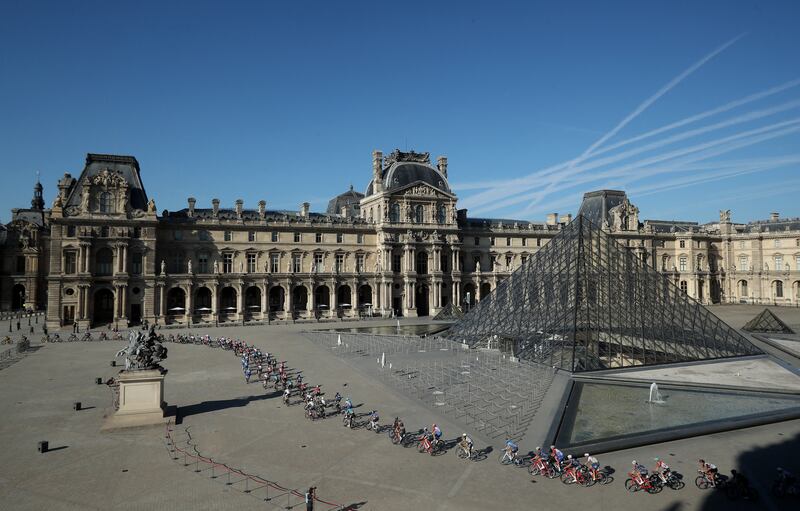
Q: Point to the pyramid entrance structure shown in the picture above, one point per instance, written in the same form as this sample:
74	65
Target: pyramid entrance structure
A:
450	312
766	321
584	302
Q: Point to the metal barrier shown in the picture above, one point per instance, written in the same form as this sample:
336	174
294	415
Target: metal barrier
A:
252	483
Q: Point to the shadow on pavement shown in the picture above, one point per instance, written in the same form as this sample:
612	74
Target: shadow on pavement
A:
221	404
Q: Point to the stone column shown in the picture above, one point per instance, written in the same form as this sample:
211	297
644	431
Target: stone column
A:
116	302
264	295
289	305
310	303
123	290
161	302
240	301
189	301
124	259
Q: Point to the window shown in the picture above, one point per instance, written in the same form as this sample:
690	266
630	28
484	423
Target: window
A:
419	214
251	262
524	242
476	262
319	262
741	244
777	243
443	261
682	263
797	242
296	268
318	237
20	264
477	241
70	231
508	242
682	243
202	262
275	263
508	261
524	258
339	237
104	231
274	236
778	289
251	235
359	263
441	214
743	263
227	263
298	237
227	236
684	287
70	262
177	235
743	288
339	262
359	238
797	262
106	202
137	232
491	241
176	263
538	242
394	212
136	263
203	235
778	262
104	260
397	263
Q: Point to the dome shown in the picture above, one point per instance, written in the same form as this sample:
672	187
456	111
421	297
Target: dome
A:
349	199
400	174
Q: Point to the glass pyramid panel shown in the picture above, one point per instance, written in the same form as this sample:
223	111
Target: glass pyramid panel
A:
583	302
449	312
767	321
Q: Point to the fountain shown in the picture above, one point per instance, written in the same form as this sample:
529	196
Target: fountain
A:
655	395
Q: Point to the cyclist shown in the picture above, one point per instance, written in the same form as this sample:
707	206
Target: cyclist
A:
556	457
511	449
286	394
572	465
373	420
399	429
638	473
437	434
662	469
466	444
593	464
709	470
348	404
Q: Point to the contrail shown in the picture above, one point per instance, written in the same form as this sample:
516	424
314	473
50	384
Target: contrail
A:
518	197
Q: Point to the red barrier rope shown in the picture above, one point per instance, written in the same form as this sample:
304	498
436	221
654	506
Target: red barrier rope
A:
198	458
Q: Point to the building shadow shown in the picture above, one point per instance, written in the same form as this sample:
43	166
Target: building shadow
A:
759	466
220	404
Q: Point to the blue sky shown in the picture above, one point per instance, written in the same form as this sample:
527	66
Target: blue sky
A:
284	101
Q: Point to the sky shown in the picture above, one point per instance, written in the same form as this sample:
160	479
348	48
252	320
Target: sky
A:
691	107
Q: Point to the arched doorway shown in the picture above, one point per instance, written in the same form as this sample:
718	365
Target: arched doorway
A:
743	289
365	299
300	298
103	307
227	300
202	301
176	302
469	296
252	300
322	298
344	297
276	296
421	300
17	297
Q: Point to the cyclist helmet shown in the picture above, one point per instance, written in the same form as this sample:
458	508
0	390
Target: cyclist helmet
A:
463	435
701	461
634	462
656	459
569	456
586	454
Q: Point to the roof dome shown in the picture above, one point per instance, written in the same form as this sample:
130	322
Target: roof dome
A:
399	174
349	199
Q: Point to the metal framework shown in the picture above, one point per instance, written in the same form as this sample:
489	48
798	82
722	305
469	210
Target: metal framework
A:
767	321
584	302
449	312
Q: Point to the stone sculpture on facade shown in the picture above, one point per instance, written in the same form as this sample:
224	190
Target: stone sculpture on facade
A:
189	267
163	267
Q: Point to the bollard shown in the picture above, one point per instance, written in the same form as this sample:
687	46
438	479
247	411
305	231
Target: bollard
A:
76	406
43	446
98	381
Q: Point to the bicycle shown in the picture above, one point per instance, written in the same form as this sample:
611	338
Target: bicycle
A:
539	466
703	482
6	340
599	476
427	446
647	484
511	458
348	420
466	453
579	475
673	481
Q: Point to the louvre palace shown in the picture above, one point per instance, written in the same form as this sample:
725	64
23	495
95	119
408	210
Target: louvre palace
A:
102	253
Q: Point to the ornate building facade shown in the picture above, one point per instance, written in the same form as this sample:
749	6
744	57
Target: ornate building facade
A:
103	254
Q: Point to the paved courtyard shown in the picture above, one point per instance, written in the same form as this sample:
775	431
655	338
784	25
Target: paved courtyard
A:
223	418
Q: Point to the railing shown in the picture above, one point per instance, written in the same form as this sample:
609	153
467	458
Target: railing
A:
252	483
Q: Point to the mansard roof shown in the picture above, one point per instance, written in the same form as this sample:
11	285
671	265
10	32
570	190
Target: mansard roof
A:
347	199
252	215
402	169
125	166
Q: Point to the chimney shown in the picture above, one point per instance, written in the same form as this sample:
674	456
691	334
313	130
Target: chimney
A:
262	208
774	216
192	202
215	207
239	204
552	218
442	165
304	207
377	171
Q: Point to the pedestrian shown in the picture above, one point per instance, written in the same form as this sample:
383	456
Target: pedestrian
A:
310	498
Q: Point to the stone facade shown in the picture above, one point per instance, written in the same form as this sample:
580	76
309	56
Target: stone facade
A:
103	254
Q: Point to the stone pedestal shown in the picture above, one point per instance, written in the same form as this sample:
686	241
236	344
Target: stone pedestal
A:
141	399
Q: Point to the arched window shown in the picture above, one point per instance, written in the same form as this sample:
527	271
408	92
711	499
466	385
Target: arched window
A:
106	202
440	214
778	289
419	214
394	212
742	288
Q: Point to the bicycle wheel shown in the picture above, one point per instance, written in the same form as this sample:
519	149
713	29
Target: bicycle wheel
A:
701	482
421	447
654	488
504	459
461	453
584	479
676	484
534	470
567	478
631	486
550	472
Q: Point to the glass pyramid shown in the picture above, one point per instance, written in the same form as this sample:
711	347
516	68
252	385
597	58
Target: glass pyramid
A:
449	313
584	302
767	321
